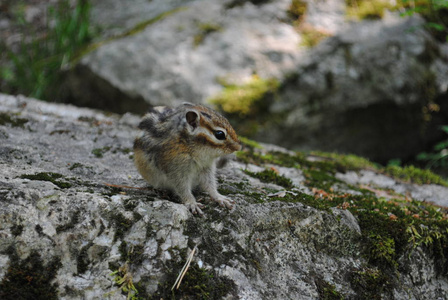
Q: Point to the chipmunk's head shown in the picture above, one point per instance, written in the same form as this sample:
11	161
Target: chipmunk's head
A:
210	130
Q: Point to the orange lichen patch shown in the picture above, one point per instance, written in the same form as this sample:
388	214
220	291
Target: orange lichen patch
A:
393	217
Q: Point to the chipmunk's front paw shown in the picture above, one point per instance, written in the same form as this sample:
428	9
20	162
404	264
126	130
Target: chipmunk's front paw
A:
195	208
224	201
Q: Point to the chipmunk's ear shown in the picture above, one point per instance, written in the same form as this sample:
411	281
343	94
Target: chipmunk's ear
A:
192	119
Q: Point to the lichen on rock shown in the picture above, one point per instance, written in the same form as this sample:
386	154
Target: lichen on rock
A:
305	225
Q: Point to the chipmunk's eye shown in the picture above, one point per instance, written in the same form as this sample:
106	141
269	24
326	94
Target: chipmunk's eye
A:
220	135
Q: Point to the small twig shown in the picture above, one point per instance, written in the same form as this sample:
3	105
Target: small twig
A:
184	269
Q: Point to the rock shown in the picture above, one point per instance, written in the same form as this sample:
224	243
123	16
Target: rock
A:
184	54
380	82
70	234
327	16
431	193
115	17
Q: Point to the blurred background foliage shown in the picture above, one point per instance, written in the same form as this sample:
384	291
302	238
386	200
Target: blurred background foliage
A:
35	66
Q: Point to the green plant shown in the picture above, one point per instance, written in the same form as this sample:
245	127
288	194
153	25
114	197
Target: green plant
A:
35	68
434	11
123	279
438	158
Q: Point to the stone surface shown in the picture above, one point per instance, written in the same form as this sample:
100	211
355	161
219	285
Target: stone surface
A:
431	193
182	56
116	17
260	250
380	82
327	16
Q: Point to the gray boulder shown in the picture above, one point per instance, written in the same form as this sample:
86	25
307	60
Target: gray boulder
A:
184	54
116	17
378	90
67	233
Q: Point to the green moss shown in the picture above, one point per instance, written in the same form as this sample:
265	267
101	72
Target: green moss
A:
415	175
122	225
250	158
311	36
367	9
130	204
137	254
297	9
382	250
82	260
112	191
12	120
74	219
282	159
371	283
345	161
142	25
243	188
242	99
340	162
299	197
75	166
133	254
236	3
123	150
17	229
276	158
123	250
320	179
250	143
388	229
270	176
204	30
315	164
391	228
327	291
54	178
198	283
29	278
99	152
433	11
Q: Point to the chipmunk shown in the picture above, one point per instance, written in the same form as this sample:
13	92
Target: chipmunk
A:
179	148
